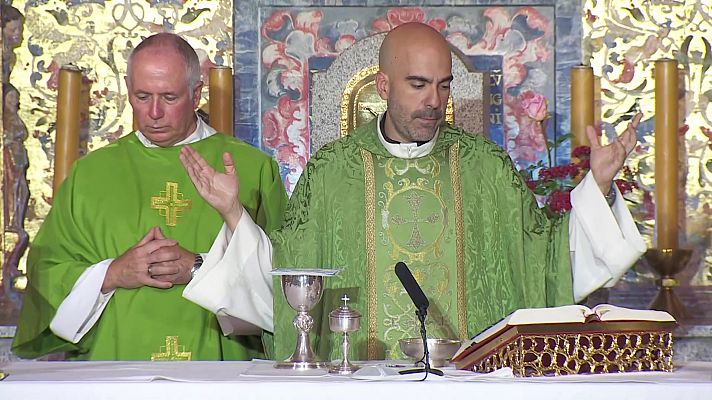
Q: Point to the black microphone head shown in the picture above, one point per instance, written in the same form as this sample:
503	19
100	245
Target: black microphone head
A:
411	286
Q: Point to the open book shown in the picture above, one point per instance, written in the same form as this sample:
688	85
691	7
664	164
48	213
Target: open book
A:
567	314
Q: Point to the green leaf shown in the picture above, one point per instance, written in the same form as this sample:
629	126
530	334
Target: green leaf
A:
709	165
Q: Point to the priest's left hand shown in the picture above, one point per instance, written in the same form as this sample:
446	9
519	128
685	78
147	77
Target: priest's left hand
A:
177	270
607	160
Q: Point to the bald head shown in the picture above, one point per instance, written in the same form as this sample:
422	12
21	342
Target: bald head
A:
166	40
415	71
408	38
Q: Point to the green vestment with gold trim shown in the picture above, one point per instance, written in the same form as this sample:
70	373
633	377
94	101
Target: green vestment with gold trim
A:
111	199
461	218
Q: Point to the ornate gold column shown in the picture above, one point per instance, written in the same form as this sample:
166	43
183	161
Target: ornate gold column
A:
220	99
66	146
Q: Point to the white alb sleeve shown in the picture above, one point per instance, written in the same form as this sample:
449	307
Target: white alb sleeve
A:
234	282
604	241
83	306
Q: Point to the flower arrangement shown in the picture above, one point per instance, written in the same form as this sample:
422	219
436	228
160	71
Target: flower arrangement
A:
552	184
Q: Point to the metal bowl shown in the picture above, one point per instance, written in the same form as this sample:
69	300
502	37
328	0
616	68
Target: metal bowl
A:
440	350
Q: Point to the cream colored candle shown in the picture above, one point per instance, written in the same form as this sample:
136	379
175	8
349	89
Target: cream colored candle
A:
66	144
666	153
581	104
220	101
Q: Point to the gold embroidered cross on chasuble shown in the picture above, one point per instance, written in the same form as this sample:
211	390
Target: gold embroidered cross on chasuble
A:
172	351
170	203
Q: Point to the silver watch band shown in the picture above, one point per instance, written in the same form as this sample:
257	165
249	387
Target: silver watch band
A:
611	195
196	265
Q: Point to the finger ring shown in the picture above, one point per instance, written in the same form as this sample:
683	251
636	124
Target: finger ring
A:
149	270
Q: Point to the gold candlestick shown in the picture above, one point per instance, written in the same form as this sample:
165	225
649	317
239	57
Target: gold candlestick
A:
666	153
66	145
667	263
220	99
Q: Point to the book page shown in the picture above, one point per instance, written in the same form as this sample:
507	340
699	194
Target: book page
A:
608	312
528	316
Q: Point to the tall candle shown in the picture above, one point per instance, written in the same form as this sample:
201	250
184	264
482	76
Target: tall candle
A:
220	99
66	144
666	153
581	104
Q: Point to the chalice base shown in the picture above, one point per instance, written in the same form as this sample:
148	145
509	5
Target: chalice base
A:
343	369
667	300
301	365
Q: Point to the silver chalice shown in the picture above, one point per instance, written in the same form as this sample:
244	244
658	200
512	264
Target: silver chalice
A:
303	292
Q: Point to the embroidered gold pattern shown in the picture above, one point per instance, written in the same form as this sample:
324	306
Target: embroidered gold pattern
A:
172	351
413	194
170	203
459	235
370	225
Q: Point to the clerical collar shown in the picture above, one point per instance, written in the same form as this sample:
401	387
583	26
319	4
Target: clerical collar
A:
404	150
202	131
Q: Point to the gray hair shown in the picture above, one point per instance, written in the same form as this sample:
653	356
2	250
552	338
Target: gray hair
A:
185	50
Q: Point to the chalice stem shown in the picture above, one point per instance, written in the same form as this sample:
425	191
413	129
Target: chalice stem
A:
303	352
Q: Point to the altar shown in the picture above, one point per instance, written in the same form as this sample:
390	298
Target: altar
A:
258	380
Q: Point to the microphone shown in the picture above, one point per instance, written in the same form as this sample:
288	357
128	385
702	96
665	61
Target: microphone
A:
421	305
411	286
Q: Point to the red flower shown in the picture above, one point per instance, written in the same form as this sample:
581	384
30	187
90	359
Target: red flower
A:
581	152
560	201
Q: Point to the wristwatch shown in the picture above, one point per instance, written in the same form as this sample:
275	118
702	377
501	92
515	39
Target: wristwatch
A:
196	265
611	196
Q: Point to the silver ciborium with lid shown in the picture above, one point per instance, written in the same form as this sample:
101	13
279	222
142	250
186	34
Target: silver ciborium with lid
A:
344	320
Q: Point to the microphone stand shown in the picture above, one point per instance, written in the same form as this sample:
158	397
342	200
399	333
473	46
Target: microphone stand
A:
421	313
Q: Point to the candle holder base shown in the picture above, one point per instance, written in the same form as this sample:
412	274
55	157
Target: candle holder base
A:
667	263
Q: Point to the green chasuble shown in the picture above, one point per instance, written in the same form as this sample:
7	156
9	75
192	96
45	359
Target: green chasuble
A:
111	199
461	218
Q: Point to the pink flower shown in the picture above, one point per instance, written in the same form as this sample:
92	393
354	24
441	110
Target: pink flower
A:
535	105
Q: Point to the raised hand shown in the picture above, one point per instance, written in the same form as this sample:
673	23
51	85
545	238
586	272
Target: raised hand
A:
220	190
131	269
607	160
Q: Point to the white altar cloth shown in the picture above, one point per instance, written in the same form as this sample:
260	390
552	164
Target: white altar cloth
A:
40	380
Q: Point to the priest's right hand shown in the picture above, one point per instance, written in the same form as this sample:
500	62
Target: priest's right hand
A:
220	190
131	269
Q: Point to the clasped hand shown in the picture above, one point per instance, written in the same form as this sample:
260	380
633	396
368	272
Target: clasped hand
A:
154	261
